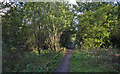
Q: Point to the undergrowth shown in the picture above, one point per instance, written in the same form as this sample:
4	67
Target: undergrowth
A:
32	61
95	60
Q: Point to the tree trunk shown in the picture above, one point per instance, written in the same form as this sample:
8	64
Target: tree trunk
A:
38	50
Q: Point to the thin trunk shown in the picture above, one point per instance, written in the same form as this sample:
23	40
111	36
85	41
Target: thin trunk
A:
57	39
51	41
35	35
39	50
118	11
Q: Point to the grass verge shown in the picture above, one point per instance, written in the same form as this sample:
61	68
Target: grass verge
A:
95	60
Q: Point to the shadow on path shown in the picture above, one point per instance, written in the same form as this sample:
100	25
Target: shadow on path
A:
64	65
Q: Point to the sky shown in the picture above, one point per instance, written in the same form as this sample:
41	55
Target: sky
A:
73	2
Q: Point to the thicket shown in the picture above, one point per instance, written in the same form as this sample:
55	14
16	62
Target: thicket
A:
36	25
99	28
29	27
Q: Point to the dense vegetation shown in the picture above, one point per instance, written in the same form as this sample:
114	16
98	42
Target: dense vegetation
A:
95	60
97	39
99	28
34	34
33	27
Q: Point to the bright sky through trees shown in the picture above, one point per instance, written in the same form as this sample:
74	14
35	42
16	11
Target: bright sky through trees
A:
73	2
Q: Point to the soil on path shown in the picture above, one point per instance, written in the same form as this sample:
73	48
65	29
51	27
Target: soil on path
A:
64	65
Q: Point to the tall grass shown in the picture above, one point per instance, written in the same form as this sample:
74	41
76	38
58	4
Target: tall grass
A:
96	60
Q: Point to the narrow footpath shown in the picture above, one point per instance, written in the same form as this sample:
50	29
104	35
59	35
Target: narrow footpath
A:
65	62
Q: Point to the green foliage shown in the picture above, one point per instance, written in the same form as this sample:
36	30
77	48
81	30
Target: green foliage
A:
88	6
115	38
66	38
13	32
98	60
31	62
95	27
32	33
35	26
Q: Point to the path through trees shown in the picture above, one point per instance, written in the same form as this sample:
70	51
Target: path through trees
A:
64	65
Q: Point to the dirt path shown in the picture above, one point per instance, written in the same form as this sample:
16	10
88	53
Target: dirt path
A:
64	65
